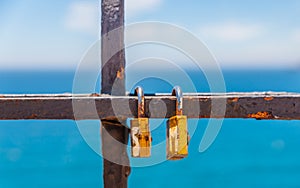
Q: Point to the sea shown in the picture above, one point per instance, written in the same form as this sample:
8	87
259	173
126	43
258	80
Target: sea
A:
246	153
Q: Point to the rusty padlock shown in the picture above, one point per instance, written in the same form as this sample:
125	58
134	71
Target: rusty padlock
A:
177	133
140	131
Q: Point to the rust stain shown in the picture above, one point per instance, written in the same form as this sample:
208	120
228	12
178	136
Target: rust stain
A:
94	95
261	115
2	96
120	74
268	98
235	100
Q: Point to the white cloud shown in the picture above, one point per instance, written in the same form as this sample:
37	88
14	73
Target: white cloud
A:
232	31
266	49
83	17
296	35
238	45
42	42
134	7
259	54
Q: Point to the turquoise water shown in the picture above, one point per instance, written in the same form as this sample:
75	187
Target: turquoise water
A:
246	153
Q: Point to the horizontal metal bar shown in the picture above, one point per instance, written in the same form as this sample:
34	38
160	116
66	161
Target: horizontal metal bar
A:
258	105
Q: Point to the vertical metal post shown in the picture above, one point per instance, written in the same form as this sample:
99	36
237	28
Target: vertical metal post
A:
113	83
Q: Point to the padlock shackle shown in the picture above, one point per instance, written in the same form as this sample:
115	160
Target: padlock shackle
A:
179	99
141	101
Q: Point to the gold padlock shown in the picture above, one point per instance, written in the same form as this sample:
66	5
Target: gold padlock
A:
177	133
140	131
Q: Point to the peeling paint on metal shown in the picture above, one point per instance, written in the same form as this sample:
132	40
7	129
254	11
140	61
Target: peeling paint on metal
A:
261	115
120	74
235	100
268	98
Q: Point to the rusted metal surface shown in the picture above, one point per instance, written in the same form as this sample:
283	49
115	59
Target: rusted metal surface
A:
112	48
116	163
285	106
140	137
177	138
140	129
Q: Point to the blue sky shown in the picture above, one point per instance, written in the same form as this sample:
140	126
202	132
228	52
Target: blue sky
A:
241	34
